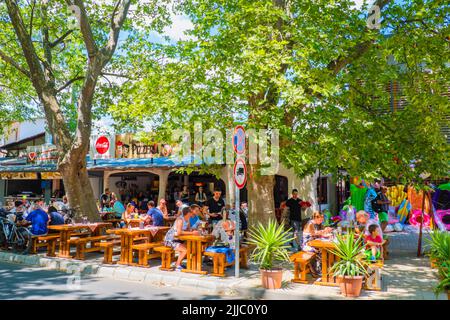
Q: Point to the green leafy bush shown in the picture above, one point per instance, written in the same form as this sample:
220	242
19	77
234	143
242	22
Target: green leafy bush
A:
271	243
352	260
439	246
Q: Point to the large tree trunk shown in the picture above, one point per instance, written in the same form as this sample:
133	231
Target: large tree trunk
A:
79	189
261	206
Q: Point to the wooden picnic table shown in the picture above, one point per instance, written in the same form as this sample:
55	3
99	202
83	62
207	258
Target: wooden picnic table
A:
128	235
328	259
194	257
66	230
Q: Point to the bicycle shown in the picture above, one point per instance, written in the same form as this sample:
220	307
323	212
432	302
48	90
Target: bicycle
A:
17	237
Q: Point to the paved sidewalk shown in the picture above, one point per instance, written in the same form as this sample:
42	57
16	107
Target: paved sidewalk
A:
404	276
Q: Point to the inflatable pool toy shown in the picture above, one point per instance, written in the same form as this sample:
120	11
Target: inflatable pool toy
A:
416	215
442	218
403	211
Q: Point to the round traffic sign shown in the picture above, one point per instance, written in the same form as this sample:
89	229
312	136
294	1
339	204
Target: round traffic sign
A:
240	173
239	140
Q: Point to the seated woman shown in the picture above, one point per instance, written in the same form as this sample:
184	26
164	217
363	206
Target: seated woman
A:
314	229
363	221
181	227
224	230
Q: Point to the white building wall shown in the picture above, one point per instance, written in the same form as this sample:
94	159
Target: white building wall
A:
23	130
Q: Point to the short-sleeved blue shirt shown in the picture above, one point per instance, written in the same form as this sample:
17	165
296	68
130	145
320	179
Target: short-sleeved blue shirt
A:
157	217
56	218
194	222
38	219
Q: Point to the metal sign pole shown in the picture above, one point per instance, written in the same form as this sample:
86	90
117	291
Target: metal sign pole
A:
236	232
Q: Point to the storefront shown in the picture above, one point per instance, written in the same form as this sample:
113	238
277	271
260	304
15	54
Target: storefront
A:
128	168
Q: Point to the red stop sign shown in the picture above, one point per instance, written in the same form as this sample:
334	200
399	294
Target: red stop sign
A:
102	145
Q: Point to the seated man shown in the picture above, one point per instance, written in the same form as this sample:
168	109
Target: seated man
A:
38	219
155	216
56	218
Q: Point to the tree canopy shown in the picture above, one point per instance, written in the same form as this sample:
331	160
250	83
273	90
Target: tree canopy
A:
343	95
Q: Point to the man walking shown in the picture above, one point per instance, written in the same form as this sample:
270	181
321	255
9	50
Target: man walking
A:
295	217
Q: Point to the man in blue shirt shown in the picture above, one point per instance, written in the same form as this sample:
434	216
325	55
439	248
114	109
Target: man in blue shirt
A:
39	219
155	214
56	218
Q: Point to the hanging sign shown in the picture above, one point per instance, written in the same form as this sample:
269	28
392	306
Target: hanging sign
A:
102	147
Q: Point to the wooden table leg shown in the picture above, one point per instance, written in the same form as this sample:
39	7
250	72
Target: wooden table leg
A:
324	266
194	257
64	246
199	256
123	249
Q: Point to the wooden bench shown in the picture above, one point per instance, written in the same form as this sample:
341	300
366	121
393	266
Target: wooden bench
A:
167	255
301	261
81	244
48	241
220	262
108	247
140	240
144	252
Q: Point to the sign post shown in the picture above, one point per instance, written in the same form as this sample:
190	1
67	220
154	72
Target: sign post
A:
240	178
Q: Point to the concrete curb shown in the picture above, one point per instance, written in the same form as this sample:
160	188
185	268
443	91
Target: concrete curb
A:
150	276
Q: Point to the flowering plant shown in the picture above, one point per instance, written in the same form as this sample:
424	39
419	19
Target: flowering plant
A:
305	204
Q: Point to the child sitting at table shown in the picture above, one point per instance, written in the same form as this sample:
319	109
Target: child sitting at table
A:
374	242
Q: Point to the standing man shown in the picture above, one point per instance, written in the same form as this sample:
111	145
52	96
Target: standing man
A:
295	218
215	206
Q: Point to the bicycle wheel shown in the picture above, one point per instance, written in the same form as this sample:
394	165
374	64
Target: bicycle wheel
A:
3	238
22	240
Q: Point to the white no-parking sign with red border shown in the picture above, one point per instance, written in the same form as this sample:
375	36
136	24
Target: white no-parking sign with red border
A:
240	173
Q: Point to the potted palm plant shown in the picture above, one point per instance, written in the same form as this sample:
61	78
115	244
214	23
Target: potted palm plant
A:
444	284
351	266
271	244
439	246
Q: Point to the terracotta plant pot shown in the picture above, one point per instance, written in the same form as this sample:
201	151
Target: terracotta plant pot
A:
271	279
448	294
350	286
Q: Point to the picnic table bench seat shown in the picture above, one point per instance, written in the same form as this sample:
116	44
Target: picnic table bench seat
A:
81	244
167	255
220	262
301	261
48	241
144	252
373	280
108	247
